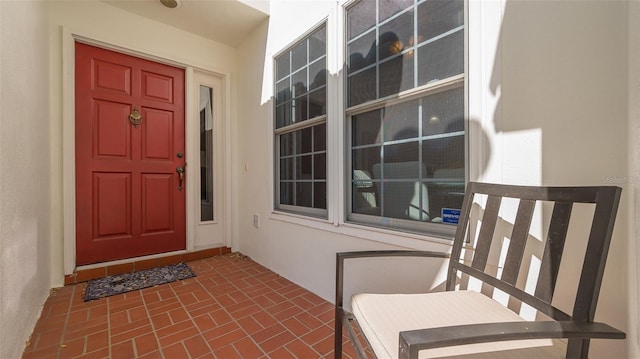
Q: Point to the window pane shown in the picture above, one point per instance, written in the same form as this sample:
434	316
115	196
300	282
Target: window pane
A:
283	91
286	144
360	17
362	87
304	194
445	193
366	128
303	168
206	153
388	8
441	59
286	169
320	137
305	140
365	194
318	103
317	74
283	115
439	16
299	55
320	166
396	75
443	112
364	159
299	83
401	199
401	152
401	121
445	160
396	35
282	65
320	195
317	44
443	155
300	109
286	193
362	52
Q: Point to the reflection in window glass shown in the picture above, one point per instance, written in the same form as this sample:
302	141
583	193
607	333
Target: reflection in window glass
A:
396	53
300	119
206	153
419	167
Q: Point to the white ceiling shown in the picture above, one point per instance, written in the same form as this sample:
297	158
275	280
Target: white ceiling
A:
224	21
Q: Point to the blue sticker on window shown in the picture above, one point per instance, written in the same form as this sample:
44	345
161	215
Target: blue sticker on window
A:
450	215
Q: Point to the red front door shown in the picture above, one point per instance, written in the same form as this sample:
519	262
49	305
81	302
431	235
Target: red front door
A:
130	198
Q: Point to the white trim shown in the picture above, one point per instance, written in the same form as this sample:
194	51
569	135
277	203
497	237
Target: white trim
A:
189	170
355	230
69	37
416	92
68	151
335	116
228	160
318	120
221	159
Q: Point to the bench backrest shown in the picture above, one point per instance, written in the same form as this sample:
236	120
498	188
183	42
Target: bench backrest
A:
483	234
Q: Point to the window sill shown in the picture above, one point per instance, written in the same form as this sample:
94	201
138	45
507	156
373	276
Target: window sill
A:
375	234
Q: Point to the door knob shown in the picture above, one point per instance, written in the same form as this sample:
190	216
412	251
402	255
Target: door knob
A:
180	170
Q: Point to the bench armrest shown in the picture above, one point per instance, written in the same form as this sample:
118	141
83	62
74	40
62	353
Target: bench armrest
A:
340	315
412	341
341	256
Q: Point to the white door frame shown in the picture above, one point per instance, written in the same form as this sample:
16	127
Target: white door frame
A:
69	39
210	233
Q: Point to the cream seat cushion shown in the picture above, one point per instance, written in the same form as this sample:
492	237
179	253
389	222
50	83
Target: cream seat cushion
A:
382	317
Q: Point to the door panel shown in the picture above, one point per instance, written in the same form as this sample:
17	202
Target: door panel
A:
110	76
157	202
157	87
111	211
128	199
157	136
111	135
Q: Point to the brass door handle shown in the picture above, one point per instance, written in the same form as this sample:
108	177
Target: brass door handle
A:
180	170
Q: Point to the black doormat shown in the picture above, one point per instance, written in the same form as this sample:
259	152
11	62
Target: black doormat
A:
122	283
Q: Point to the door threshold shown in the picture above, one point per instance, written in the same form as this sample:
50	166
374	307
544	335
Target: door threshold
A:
101	270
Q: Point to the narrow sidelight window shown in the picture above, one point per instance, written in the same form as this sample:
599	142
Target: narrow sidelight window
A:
206	153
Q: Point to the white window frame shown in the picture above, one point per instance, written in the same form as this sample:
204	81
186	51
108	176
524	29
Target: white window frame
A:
309	123
436	230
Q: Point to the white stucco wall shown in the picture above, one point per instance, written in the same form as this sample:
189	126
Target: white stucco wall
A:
563	85
548	101
24	175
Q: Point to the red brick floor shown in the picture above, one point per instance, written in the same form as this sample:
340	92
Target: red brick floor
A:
233	308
